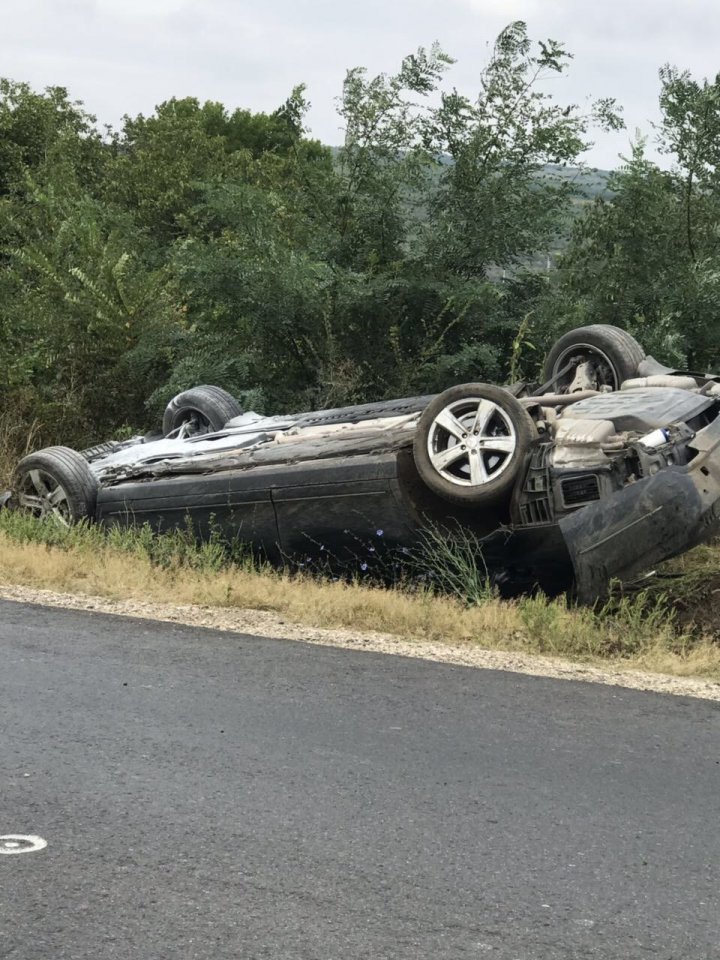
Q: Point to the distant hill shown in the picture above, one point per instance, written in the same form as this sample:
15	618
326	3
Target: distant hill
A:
589	181
590	184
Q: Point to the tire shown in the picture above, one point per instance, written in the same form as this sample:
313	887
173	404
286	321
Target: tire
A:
206	409
464	466
614	354
55	483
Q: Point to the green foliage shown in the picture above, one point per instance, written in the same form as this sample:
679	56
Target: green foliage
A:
176	550
493	207
629	263
163	164
88	313
45	131
647	258
207	244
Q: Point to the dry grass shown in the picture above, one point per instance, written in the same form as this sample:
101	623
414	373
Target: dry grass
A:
640	631
114	574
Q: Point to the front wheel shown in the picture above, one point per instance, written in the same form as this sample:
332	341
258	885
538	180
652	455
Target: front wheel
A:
55	484
471	443
203	409
592	358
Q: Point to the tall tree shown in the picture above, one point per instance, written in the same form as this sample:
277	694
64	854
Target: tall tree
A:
39	131
649	258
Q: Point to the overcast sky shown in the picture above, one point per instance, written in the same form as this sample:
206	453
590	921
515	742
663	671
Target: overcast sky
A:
125	56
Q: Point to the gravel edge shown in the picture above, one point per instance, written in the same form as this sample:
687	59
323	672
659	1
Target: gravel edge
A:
265	624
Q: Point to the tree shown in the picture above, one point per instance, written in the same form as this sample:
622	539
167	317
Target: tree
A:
39	131
86	328
690	132
434	202
495	205
648	259
164	162
206	244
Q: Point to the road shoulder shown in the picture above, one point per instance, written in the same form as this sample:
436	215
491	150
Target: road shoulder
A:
266	624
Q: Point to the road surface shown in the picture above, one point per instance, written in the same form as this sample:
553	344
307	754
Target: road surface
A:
207	796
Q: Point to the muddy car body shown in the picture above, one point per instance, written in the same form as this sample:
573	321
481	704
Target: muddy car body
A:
609	467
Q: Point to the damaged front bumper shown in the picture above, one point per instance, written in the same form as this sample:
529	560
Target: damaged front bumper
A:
647	522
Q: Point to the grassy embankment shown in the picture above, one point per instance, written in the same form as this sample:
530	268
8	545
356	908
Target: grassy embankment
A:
670	627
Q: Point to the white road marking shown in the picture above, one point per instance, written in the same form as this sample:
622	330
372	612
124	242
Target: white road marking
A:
21	843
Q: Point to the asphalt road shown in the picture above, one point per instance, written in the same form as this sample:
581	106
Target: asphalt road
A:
207	795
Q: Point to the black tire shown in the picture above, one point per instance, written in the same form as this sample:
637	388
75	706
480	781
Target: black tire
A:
55	483
615	353
479	471
208	408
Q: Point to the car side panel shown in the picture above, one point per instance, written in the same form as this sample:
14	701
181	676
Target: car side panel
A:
344	508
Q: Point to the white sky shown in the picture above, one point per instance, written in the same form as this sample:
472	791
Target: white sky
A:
125	56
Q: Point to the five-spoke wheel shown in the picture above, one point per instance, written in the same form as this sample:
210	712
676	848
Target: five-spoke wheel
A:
44	496
55	484
471	441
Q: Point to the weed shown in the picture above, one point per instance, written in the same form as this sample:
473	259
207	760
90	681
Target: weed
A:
635	622
452	563
17	438
540	618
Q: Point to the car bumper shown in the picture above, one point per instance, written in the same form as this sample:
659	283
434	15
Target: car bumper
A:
647	522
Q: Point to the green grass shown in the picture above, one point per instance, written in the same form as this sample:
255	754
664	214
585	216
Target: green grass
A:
445	598
175	550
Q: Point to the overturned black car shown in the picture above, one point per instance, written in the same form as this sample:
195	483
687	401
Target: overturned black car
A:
610	466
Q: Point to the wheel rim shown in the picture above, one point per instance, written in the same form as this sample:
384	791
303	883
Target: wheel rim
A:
471	442
603	369
40	494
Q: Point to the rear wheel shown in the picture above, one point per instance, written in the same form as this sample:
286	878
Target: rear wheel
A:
55	484
204	409
591	358
471	443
